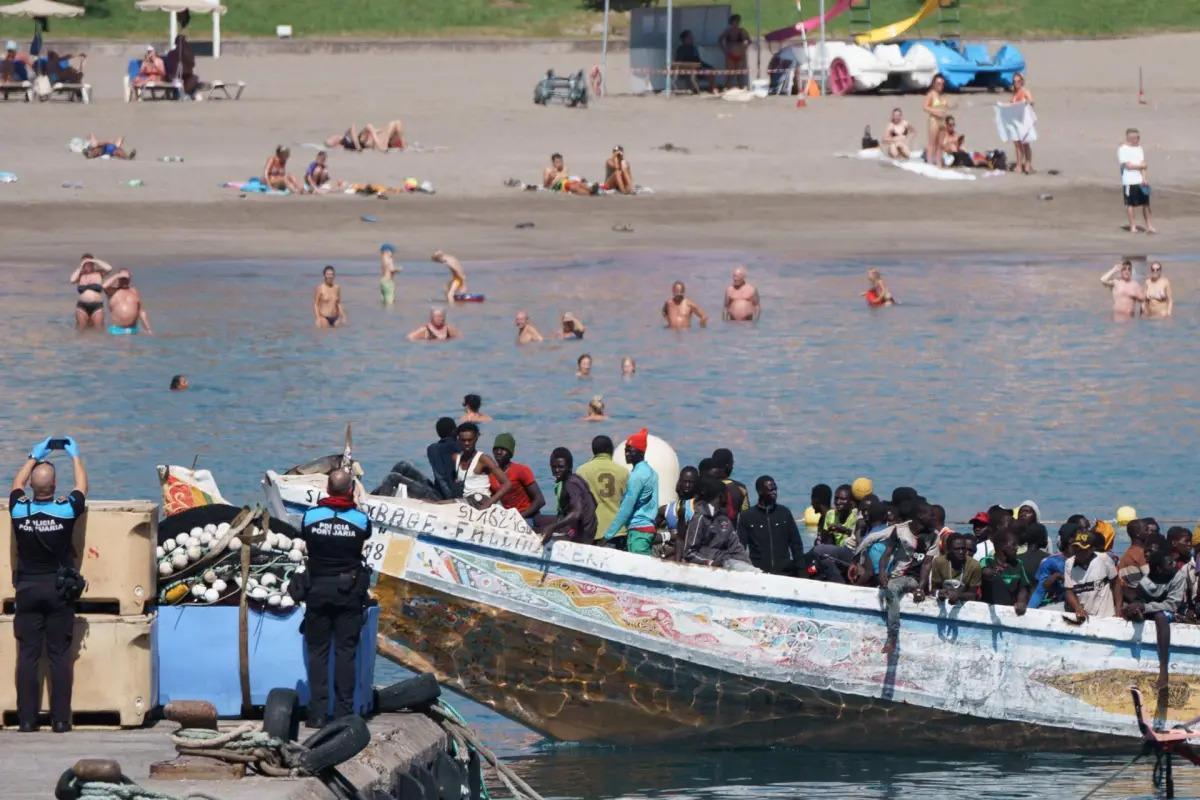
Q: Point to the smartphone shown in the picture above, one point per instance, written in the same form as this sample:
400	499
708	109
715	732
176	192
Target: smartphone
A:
58	444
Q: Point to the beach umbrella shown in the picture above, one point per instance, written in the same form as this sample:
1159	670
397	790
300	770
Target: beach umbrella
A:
176	7
604	52
40	9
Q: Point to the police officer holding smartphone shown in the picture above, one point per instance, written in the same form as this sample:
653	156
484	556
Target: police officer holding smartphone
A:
334	588
46	581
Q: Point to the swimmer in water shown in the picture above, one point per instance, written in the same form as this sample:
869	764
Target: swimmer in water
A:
741	299
458	276
877	293
179	383
436	330
596	410
1160	303
678	310
387	271
526	332
572	327
628	367
471	404
327	301
126	313
88	278
1127	294
583	366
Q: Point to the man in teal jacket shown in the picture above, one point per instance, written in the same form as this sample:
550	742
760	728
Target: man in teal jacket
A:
639	504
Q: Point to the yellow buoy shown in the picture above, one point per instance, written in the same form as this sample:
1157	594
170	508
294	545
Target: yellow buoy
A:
861	488
811	517
1125	515
176	593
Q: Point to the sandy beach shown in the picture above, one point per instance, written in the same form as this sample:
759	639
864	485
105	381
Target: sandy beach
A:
756	176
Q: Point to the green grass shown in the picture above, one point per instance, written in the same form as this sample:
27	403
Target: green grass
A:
118	19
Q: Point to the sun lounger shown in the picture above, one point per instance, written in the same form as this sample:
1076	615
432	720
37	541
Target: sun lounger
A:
153	90
20	84
221	90
72	91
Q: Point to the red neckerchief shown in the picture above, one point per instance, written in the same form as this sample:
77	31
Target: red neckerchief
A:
337	503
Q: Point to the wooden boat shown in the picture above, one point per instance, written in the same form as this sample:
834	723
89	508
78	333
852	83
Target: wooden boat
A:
590	644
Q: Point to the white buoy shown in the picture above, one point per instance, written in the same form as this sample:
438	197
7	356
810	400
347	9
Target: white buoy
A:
219	586
210	529
299	544
235	544
179	560
168	545
206	539
159	552
165	568
210	576
268	580
223	529
274	600
258	593
295	556
283	543
212	595
286	602
198	590
194	553
300	570
661	456
252	582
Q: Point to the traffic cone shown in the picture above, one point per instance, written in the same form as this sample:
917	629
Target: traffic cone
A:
812	88
801	103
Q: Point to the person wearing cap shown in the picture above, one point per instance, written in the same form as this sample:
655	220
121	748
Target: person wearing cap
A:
606	479
387	271
639	503
152	69
572	326
525	495
8	67
618	175
1092	588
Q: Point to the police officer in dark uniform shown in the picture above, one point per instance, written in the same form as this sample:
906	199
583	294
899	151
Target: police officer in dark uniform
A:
334	587
46	582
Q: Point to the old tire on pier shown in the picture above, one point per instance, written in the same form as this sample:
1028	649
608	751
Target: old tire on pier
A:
281	715
336	743
413	694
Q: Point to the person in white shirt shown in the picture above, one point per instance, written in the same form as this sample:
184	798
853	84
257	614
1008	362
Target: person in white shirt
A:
1132	159
1091	583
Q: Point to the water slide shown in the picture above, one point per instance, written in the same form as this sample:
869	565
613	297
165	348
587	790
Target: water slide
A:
889	32
809	25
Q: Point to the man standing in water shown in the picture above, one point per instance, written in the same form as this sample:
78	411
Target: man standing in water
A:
741	299
334	589
458	276
1127	294
526	332
679	310
126	313
42	527
437	329
327	302
639	504
387	269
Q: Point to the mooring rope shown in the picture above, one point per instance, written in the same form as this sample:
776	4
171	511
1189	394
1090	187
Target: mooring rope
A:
246	744
454	724
99	790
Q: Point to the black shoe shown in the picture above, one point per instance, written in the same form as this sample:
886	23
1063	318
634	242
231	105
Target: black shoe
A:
317	722
28	727
60	727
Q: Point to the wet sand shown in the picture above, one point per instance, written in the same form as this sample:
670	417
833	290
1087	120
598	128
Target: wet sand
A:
758	176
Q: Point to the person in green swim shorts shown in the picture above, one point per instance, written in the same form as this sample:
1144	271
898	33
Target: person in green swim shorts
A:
639	503
387	268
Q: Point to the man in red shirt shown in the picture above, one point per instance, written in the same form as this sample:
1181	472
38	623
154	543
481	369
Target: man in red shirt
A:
525	495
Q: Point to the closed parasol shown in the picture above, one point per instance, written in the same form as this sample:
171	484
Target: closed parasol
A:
176	7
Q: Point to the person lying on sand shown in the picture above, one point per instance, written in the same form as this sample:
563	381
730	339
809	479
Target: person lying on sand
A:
370	138
96	149
275	172
556	179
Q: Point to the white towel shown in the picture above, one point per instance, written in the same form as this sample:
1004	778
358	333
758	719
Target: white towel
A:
1015	122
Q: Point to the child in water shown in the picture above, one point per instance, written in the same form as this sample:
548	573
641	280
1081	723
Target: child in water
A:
877	293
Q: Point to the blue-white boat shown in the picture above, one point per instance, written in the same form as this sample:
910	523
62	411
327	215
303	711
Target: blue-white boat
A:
590	644
966	65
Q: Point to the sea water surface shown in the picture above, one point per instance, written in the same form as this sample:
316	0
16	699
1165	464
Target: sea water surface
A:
995	380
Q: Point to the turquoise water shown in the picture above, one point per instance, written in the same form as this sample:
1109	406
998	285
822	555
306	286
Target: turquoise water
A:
996	380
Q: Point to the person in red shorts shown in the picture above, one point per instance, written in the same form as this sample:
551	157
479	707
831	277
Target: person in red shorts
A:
525	495
734	42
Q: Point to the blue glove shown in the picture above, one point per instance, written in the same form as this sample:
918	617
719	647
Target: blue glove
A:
71	448
41	450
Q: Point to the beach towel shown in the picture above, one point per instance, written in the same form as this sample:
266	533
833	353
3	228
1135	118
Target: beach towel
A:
1015	122
914	165
255	186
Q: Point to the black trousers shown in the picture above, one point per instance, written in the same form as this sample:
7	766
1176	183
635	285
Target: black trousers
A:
43	620
333	618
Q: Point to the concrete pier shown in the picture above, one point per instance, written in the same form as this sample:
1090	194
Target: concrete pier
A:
30	763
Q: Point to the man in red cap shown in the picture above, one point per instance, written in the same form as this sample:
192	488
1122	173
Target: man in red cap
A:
639	504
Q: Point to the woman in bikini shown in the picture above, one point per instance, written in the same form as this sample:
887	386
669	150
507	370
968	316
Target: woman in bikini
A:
938	108
1024	152
88	279
877	293
896	135
275	172
1159	300
370	138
